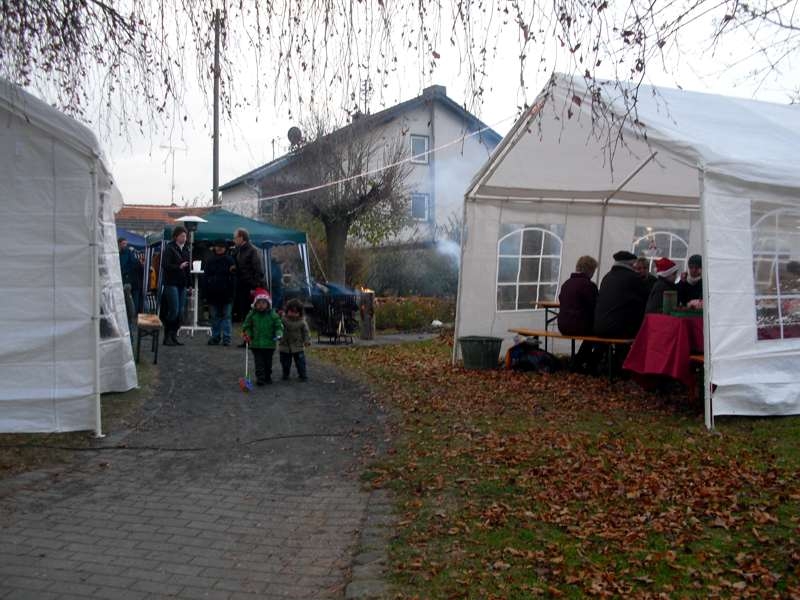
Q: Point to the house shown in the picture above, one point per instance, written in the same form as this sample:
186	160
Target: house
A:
446	145
698	173
153	218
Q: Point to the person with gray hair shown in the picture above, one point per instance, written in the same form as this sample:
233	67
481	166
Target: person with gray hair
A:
577	301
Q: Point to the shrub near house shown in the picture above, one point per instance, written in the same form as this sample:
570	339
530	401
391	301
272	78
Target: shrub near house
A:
413	313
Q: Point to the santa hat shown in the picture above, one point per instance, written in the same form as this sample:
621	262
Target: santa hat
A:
262	294
666	268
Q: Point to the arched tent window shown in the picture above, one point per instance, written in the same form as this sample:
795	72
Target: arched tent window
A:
528	268
659	244
776	273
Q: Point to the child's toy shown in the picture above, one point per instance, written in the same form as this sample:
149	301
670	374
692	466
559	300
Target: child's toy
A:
244	382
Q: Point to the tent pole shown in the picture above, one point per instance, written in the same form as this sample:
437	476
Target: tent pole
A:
267	258
606	200
303	250
709	414
96	216
459	293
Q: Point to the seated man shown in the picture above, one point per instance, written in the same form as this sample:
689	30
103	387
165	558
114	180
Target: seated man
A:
666	271
621	303
642	266
690	287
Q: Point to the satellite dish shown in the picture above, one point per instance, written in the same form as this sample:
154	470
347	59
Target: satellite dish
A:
295	135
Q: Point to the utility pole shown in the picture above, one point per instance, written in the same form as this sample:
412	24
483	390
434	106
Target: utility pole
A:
215	200
172	156
366	92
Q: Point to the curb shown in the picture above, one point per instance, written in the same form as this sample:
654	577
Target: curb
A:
369	570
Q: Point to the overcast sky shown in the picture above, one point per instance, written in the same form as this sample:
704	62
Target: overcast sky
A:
143	164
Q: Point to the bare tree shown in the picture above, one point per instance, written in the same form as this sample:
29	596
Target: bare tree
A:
356	177
138	55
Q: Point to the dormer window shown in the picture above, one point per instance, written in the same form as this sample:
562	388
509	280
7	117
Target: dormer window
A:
420	145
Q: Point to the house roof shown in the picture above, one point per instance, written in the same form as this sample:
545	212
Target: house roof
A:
436	93
144	217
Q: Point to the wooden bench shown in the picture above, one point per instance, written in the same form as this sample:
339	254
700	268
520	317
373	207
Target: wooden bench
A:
148	325
535	333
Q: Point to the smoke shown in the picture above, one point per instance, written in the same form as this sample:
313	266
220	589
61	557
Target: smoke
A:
449	248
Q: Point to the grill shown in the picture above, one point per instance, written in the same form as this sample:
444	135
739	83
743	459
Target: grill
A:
335	317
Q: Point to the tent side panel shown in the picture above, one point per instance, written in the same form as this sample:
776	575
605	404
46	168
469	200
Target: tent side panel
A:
752	376
579	226
117	369
46	359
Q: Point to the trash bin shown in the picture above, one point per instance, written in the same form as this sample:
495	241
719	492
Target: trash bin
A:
480	352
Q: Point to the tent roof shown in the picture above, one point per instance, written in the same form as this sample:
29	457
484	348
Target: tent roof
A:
222	223
134	239
748	140
40	114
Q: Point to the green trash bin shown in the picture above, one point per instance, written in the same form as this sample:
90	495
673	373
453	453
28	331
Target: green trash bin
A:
480	352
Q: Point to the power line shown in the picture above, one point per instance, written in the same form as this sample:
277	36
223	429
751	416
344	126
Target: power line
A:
322	186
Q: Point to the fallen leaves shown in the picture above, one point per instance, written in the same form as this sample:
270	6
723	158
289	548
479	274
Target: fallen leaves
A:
519	485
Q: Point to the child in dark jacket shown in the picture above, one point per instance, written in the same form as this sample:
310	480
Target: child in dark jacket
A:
296	337
262	328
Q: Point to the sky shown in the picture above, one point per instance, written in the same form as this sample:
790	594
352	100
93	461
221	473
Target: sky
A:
161	168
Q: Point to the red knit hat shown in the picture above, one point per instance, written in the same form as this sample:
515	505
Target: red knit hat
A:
665	267
262	294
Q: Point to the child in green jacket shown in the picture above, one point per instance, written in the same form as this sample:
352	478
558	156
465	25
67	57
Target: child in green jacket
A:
262	328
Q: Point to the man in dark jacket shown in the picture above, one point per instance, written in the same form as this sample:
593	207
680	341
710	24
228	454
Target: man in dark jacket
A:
690	287
249	273
176	278
642	267
219	284
132	271
623	296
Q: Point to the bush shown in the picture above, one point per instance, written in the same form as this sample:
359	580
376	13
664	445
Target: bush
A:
413	272
413	313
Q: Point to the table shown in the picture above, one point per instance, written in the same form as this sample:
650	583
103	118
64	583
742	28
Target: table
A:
663	346
550	314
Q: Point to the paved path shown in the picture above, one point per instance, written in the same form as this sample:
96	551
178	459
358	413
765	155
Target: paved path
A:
220	494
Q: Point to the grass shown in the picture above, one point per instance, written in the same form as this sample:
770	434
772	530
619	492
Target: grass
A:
516	485
21	452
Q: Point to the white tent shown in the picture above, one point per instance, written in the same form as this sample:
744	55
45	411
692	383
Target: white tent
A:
692	173
64	332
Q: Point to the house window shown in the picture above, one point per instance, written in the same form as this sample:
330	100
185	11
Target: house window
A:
419	207
776	271
528	267
665	243
420	144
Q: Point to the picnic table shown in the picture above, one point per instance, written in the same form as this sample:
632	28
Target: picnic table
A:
667	345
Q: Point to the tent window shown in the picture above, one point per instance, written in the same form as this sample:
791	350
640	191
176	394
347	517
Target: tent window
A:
776	271
528	266
669	243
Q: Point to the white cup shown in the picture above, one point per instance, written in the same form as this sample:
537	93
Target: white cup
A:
197	265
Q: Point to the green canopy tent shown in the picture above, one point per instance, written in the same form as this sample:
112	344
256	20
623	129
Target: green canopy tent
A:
221	224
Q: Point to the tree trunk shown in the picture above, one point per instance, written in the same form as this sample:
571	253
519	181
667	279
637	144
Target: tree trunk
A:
336	239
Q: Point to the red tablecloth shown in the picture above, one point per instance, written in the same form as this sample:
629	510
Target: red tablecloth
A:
663	346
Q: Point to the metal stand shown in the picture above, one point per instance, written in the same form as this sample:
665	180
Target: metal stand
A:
190	329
